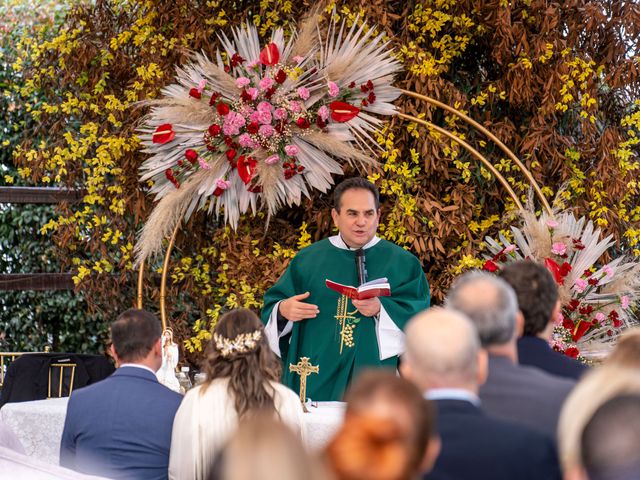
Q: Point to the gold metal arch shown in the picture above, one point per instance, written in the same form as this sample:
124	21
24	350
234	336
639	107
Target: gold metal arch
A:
477	155
491	136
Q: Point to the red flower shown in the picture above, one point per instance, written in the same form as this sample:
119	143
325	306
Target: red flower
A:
490	266
364	102
246	168
580	330
191	155
214	130
227	68
253	188
253	127
163	134
222	109
169	174
573	304
558	272
343	112
372	97
231	154
245	97
195	93
218	191
352	85
281	76
321	123
567	323
303	123
236	59
270	55
593	281
369	84
572	352
269	93
228	141
214	98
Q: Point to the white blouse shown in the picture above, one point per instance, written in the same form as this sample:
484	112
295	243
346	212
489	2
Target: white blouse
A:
205	421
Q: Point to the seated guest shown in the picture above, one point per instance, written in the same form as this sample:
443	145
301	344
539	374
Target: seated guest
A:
264	448
121	427
388	432
618	375
444	359
242	378
514	392
609	442
538	302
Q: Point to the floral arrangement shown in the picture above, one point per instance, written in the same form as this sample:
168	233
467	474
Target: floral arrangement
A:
264	124
597	299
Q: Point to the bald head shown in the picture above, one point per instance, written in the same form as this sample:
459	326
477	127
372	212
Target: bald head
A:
489	302
442	349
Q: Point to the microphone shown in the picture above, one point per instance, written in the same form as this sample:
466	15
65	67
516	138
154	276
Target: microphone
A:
361	267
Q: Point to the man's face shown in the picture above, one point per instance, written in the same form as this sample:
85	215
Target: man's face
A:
358	217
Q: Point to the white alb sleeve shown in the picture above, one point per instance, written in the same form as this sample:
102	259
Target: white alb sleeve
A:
271	330
390	336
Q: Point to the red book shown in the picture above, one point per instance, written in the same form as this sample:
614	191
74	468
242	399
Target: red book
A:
375	288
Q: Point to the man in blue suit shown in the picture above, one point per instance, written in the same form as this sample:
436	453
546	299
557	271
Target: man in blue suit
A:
444	359
121	427
538	302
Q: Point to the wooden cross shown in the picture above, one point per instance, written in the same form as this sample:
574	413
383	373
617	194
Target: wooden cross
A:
304	369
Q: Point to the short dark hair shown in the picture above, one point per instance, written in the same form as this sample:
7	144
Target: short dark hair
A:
609	441
134	333
353	184
536	290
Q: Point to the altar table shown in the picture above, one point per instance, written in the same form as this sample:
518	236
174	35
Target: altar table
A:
39	425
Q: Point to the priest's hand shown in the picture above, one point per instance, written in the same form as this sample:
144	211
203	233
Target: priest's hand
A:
369	307
294	309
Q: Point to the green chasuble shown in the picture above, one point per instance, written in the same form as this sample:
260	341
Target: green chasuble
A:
340	340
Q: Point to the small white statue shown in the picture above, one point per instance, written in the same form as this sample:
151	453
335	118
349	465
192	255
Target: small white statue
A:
170	355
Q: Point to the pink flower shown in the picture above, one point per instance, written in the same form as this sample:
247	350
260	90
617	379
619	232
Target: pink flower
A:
298	58
201	85
265	107
600	317
323	113
295	106
580	285
280	113
608	271
204	165
559	248
253	117
272	160
333	89
303	93
253	63
252	92
624	302
266	83
232	123
266	130
222	184
291	150
245	140
551	223
242	82
264	118
230	129
510	248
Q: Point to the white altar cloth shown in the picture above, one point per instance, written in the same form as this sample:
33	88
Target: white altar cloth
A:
39	425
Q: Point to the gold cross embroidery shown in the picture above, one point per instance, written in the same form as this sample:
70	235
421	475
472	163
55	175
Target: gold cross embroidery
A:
347	322
304	369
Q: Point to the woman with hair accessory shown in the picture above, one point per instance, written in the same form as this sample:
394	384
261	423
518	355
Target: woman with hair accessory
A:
242	378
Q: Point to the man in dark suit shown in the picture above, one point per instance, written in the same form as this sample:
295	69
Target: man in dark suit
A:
444	359
538	302
515	392
121	427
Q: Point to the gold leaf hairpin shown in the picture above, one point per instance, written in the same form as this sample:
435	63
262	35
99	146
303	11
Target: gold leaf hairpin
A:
243	343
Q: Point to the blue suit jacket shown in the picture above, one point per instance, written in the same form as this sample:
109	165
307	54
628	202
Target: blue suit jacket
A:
120	427
535	352
478	447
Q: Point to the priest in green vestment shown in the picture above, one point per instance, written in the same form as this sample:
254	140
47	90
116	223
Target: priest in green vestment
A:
304	318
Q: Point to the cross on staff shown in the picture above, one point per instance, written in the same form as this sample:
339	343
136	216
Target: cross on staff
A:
304	369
